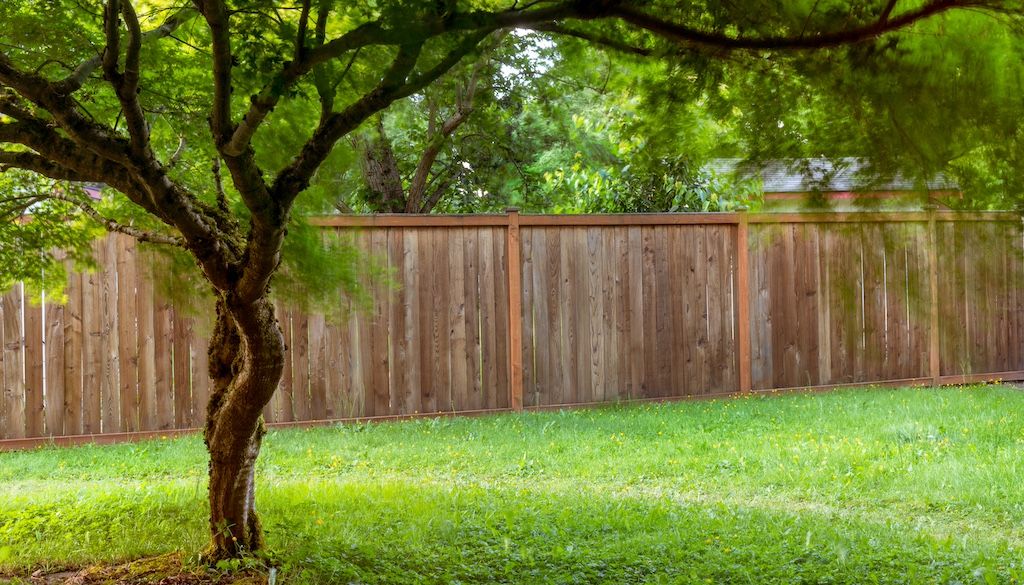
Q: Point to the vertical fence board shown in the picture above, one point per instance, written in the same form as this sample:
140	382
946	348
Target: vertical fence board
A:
637	340
14	363
537	393
92	354
163	367
380	381
600	313
145	312
440	330
109	386
34	353
73	408
460	382
527	308
501	318
127	334
181	340
318	366
53	407
400	387
300	365
474	351
200	373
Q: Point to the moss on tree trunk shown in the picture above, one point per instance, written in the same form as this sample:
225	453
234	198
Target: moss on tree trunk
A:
246	361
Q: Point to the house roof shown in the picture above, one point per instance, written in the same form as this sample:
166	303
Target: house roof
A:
820	175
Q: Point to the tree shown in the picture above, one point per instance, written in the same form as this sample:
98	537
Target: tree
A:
96	92
448	106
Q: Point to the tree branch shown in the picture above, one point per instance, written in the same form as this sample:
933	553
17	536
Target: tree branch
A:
691	36
438	136
215	13
114	226
30	161
77	78
112	32
126	84
264	102
393	85
300	35
599	40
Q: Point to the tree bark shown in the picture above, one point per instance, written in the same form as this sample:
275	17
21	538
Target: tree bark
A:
246	362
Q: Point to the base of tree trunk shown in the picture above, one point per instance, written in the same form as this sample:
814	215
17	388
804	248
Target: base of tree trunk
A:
169	569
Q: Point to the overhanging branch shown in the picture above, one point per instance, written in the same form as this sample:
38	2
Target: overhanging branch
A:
592	38
30	161
114	226
77	78
885	23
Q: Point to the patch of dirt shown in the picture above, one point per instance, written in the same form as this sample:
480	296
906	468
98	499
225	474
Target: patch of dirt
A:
162	570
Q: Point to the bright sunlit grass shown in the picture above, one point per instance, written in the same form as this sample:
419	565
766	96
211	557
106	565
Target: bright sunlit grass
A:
858	486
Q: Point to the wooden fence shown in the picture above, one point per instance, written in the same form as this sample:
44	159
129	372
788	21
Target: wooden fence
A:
506	311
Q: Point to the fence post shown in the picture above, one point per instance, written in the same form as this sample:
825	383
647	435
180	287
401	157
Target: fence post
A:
743	299
515	312
934	366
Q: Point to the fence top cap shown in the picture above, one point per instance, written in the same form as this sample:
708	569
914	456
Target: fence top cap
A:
512	209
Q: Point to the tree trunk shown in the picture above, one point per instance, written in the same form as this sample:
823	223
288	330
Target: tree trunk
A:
246	361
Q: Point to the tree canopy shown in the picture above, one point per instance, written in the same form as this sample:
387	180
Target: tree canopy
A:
217	125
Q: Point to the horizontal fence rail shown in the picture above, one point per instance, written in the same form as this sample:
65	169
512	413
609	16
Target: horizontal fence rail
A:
496	312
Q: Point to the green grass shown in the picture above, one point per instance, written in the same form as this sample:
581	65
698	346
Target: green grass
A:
858	486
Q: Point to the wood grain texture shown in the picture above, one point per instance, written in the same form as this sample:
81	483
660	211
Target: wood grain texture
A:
14	363
35	352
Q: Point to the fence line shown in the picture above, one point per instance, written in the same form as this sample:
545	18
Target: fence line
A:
498	312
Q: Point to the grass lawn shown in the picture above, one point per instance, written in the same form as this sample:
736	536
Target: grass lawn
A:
857	486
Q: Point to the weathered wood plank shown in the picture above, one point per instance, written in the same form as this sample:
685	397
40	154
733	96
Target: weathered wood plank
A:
581	316
145	311
200	372
380	382
499	247
398	304
14	362
474	350
542	320
549	345
440	330
650	386
182	369
318	366
635	318
92	353
599	318
109	386
406	325
34	360
163	369
663	328
300	365
127	334
488	317
567	315
73	355
514	272
54	404
460	381
528	333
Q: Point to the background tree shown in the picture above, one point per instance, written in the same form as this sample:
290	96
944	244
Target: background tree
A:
210	120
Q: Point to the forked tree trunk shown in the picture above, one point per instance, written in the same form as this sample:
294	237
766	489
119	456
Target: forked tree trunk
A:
246	361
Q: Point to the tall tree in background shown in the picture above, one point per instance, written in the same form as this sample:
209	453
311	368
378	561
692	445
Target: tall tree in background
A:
446	107
212	120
